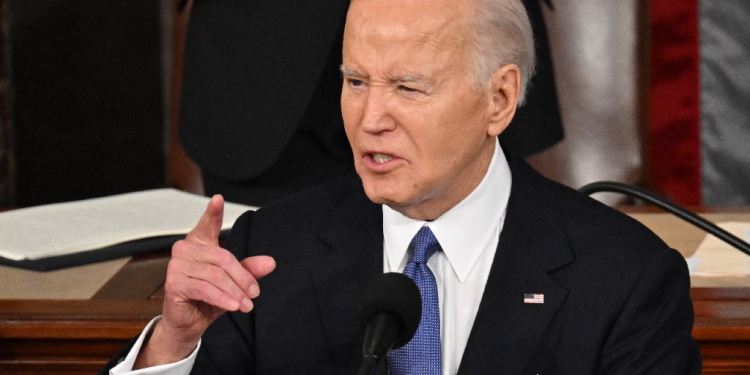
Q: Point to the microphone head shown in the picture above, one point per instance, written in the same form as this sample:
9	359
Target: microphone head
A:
396	293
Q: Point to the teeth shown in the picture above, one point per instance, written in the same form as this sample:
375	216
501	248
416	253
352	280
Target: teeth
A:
381	158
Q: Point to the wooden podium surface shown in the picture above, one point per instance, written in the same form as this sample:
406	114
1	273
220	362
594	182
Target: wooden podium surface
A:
79	336
722	304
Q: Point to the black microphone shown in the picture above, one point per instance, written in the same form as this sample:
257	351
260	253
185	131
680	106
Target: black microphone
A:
389	313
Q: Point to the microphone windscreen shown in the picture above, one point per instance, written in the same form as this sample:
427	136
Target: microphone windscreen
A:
396	293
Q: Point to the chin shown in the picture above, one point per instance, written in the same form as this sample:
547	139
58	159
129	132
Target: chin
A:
381	192
380	197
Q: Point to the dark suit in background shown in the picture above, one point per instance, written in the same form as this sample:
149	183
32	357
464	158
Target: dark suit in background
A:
616	298
260	110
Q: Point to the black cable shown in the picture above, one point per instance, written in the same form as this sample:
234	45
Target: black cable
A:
645	195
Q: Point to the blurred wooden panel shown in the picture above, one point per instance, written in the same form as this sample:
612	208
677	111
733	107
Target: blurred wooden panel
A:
184	174
70	337
722	329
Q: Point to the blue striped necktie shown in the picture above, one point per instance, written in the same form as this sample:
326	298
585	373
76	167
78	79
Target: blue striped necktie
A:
421	356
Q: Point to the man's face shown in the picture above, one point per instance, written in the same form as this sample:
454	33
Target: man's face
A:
421	134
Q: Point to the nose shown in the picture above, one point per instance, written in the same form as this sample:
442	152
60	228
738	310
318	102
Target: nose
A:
376	117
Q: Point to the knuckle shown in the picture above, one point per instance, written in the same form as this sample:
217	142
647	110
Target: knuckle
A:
179	247
172	284
215	273
223	257
201	290
211	295
237	295
245	279
175	267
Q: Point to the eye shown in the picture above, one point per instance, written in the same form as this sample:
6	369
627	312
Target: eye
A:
407	89
355	82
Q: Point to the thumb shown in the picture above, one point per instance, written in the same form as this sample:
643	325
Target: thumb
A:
209	226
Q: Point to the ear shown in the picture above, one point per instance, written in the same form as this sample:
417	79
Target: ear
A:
506	86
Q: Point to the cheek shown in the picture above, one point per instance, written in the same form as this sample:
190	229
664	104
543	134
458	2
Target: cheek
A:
470	120
460	133
350	115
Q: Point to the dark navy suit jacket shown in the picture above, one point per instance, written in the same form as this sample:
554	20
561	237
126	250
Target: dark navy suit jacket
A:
616	298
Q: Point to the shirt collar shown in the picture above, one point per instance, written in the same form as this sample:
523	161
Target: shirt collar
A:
463	231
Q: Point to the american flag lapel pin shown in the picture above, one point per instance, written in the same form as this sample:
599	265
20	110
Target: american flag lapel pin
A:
533	298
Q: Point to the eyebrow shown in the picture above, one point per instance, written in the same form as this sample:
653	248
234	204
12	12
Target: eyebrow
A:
348	72
418	78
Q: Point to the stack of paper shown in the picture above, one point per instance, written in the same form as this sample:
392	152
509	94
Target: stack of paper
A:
716	258
68	228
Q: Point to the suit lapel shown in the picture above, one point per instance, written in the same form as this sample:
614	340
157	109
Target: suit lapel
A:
352	255
532	243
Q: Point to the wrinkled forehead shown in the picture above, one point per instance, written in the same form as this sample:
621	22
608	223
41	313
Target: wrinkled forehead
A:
436	24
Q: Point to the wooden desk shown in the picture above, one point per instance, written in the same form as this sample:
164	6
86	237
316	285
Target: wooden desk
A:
722	329
79	336
722	304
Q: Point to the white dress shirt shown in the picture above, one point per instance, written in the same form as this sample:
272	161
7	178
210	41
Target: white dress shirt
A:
468	234
182	367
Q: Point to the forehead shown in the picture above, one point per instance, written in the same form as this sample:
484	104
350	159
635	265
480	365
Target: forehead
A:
406	26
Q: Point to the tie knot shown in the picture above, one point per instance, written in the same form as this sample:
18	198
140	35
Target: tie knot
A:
424	245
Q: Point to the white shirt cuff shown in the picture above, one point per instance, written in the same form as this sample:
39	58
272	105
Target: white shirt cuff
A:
181	367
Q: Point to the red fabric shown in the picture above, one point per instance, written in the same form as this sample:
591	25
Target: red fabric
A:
674	106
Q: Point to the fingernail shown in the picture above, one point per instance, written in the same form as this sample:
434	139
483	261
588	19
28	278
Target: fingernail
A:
254	291
247	305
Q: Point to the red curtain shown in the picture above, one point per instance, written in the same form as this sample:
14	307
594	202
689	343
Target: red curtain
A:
674	107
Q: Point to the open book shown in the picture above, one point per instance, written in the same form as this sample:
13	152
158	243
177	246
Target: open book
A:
56	230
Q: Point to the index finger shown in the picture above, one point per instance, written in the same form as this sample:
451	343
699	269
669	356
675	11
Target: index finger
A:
209	226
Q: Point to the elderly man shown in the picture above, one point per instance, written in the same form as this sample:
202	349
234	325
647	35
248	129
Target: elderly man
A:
519	275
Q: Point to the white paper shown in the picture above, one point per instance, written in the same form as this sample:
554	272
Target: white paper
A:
66	228
717	258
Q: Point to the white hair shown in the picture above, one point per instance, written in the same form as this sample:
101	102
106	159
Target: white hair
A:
503	36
